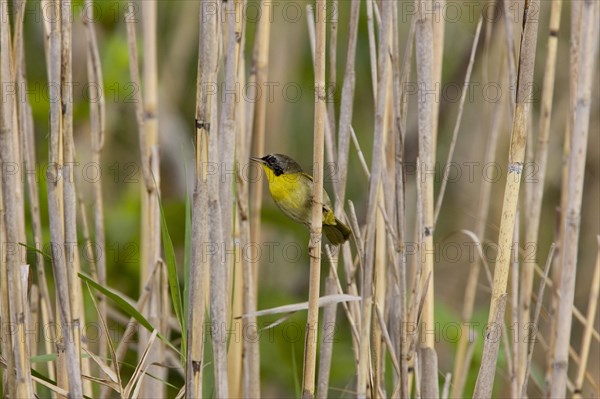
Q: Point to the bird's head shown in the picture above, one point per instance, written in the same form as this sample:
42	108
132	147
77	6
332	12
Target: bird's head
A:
278	164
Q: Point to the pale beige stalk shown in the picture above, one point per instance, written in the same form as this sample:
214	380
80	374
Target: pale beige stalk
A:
571	216
426	125
364	363
588	328
97	130
259	75
29	162
513	179
314	247
55	213
15	309
146	113
199	265
536	188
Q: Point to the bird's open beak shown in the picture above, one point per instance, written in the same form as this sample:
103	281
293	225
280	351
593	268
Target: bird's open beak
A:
256	159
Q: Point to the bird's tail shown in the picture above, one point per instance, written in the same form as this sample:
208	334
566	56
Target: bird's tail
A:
336	233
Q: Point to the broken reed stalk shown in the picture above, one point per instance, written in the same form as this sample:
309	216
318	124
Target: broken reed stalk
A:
462	360
515	166
55	212
537	188
571	215
426	124
589	326
314	247
97	130
15	309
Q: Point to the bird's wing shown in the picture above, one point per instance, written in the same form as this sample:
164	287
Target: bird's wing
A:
326	200
307	175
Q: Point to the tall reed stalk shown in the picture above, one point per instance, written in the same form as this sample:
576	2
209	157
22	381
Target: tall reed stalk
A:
571	214
427	115
536	190
314	247
97	131
511	194
199	264
15	309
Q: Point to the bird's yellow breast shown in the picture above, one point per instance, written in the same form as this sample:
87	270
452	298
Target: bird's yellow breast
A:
292	193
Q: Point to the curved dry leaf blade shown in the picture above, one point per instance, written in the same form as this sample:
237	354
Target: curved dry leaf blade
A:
323	301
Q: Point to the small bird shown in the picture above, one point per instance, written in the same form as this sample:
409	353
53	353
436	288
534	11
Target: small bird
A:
292	190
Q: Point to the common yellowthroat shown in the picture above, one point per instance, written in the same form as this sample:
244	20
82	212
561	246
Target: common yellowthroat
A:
292	190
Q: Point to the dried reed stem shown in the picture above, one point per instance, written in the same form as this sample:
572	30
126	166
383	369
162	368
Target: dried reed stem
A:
238	379
71	251
314	247
231	32
372	47
259	74
537	188
332	80
97	130
438	25
15	309
515	169
487	371
510	51
571	215
199	267
55	212
462	361
557	270
399	309
364	363
346	106
146	113
426	125
250	348
536	317
589	326
514	314
346	109
29	161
